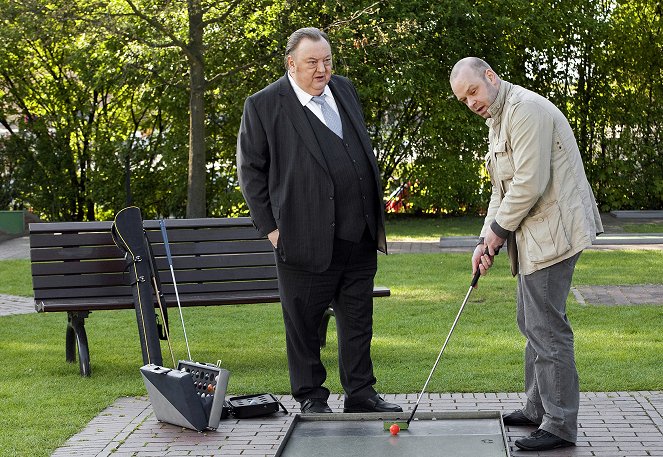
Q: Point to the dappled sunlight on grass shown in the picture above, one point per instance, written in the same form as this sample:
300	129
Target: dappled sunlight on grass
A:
22	347
391	342
422	294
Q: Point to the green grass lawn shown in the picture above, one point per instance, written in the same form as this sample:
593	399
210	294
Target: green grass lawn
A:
406	228
649	227
409	228
15	277
44	401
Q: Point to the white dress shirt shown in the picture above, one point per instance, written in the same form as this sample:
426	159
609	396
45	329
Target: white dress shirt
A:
306	99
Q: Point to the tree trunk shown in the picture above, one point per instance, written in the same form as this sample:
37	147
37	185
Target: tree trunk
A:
196	198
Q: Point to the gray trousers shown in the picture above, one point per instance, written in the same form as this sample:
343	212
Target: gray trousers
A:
551	378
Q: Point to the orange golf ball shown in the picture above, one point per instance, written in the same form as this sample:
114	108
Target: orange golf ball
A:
394	429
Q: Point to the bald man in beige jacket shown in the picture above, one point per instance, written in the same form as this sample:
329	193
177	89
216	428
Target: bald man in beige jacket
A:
543	205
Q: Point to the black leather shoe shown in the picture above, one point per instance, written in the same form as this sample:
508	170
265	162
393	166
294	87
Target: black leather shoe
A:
517	418
315	405
542	441
374	404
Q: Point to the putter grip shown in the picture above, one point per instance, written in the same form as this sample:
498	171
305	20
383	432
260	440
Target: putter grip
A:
475	280
477	274
165	241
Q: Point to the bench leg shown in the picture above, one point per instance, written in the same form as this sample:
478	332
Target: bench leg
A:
322	330
77	339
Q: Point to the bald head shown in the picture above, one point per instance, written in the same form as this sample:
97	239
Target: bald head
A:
475	84
474	64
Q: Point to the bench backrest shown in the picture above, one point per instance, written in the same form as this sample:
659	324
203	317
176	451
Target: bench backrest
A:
76	265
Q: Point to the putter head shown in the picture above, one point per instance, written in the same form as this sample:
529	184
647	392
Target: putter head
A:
403	422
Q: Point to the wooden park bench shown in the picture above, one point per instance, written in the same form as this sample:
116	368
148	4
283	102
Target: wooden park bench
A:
77	269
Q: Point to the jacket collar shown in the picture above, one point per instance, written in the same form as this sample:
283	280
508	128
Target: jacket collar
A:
293	109
495	110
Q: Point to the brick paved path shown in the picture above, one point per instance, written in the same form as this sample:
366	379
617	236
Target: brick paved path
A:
642	294
15	248
616	424
11	304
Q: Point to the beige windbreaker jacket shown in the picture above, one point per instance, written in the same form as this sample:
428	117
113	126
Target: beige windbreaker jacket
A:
540	194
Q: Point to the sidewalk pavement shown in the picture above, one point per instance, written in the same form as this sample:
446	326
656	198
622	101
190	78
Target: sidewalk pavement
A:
15	248
11	304
604	242
611	424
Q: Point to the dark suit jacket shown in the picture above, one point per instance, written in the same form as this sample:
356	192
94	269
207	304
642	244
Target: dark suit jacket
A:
283	174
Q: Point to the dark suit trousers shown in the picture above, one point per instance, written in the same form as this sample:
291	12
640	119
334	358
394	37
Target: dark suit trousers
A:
305	296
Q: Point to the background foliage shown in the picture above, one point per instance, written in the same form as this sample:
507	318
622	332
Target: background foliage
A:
95	96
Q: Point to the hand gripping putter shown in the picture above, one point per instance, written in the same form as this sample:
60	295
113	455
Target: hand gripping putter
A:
404	425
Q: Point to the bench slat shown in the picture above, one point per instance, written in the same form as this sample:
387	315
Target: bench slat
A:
183	276
192	299
80	227
101	304
181	262
201	223
219	288
78	293
63	268
70	227
237	298
177	249
75	253
215	247
80	281
204	234
58	294
85	303
103	237
217	261
46	240
220	275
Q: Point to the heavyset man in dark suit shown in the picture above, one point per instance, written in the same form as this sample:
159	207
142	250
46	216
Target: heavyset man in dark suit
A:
309	176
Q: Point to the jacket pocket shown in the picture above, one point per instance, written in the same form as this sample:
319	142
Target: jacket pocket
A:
504	168
545	235
279	248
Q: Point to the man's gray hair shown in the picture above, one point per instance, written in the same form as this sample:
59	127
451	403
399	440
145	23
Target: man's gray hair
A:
477	65
311	33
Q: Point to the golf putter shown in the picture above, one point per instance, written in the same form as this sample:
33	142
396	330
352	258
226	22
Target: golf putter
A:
404	425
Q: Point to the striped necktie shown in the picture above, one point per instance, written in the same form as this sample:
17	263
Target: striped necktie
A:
332	119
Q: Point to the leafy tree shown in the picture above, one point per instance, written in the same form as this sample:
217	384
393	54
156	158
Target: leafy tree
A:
628	150
50	108
400	60
136	102
205	34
